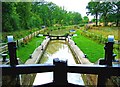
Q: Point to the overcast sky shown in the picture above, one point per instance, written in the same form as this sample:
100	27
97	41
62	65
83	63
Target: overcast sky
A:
73	5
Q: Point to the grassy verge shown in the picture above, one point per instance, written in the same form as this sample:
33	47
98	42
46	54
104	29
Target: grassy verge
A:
100	35
93	50
24	52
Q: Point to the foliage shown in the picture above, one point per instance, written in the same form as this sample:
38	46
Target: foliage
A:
100	35
93	50
85	19
27	15
106	8
94	9
108	11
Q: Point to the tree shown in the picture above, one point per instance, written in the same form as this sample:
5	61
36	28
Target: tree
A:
106	9
94	9
27	15
24	10
10	18
77	18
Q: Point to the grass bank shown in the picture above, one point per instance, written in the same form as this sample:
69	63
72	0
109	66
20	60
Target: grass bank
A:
93	50
24	52
100	35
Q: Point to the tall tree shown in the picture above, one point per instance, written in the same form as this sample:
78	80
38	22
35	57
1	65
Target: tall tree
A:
94	9
106	9
27	15
10	17
24	10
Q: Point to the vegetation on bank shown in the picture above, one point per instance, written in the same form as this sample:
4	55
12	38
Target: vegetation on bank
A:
93	50
100	35
26	50
104	31
93	45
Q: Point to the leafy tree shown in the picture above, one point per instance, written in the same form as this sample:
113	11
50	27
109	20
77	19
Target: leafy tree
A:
94	9
24	10
27	15
106	9
77	18
10	18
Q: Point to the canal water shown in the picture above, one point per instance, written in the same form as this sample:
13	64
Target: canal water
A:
57	49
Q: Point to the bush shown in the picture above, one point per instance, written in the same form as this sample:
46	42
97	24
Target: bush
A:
81	25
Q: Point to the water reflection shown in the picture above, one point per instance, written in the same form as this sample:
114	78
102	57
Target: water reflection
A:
57	49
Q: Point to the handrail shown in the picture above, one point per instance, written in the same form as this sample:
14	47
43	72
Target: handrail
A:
26	69
60	70
77	68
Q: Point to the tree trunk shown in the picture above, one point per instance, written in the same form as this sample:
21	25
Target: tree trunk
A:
105	21
96	18
117	23
118	20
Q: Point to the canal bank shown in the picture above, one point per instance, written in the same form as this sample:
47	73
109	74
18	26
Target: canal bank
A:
79	55
27	79
39	52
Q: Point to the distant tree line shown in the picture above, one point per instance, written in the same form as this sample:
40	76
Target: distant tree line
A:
28	15
108	12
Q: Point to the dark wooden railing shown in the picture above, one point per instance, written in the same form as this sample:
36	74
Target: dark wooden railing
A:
60	68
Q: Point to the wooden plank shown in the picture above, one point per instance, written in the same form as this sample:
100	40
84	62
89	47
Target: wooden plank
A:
94	69
26	69
78	68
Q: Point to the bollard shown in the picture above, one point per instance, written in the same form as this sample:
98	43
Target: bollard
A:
60	72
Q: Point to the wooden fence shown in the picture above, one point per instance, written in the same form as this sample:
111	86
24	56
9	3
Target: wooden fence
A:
4	49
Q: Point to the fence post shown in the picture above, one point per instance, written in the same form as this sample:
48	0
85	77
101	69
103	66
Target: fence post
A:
12	53
101	80
60	72
14	80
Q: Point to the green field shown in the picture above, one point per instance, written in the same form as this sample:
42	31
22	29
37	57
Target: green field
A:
93	50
